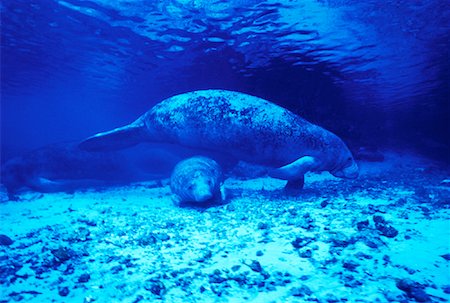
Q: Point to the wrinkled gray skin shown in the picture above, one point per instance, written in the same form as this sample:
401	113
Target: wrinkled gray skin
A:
197	180
247	127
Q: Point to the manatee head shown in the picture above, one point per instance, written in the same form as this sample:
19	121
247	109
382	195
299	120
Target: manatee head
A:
197	179
346	166
340	161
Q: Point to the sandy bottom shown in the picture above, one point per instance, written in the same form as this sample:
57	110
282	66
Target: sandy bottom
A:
384	237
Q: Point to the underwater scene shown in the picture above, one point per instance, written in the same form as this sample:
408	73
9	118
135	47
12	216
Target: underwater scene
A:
263	151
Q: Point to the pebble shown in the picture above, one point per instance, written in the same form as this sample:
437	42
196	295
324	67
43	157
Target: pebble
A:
235	267
300	291
384	228
446	289
216	277
156	287
413	290
362	225
342	240
84	278
324	203
350	265
305	254
163	237
62	254
299	242
262	225
446	257
63	291
256	266
5	240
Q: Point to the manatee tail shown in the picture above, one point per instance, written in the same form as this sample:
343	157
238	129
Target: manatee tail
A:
115	139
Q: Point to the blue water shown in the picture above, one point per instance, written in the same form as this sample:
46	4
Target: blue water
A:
367	71
375	73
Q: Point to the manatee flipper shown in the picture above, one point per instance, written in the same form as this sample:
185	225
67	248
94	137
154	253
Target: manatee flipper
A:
118	138
295	171
295	184
223	194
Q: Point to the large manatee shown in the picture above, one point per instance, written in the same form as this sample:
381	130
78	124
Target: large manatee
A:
244	126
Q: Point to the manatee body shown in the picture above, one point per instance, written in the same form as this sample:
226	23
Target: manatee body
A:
244	126
197	180
64	167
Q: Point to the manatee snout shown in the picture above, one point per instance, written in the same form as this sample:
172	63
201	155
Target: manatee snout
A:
202	189
349	170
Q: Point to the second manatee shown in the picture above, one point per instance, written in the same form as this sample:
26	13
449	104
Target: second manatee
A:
197	180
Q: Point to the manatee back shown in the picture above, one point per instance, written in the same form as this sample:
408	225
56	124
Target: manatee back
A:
231	122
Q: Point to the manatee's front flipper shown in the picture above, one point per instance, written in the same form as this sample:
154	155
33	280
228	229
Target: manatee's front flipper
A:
295	171
293	185
118	138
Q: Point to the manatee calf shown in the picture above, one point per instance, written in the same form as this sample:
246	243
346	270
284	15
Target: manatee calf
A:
247	127
197	180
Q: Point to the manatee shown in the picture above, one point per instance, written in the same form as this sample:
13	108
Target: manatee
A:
65	167
244	126
197	180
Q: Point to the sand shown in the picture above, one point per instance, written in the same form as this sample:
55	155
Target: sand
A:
384	237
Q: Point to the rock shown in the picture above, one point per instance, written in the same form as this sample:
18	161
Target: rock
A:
413	290
256	266
384	228
63	291
235	267
300	291
206	256
147	239
259	253
5	240
360	255
84	278
163	236
387	230
24	272
324	203
350	265
263	225
331	298
156	287
362	225
379	219
300	242
446	289
419	295
305	254
341	240
62	254
215	277
446	257
292	211
116	269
